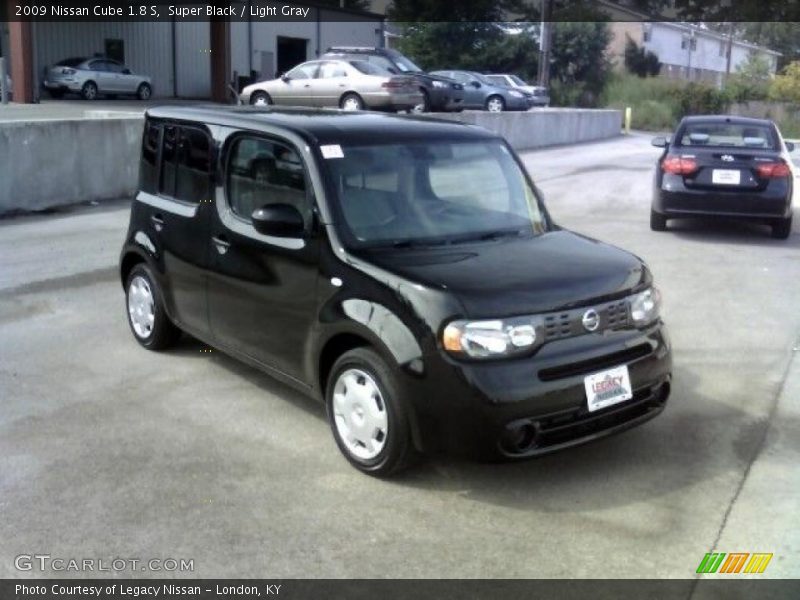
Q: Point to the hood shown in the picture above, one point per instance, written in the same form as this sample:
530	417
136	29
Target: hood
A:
553	271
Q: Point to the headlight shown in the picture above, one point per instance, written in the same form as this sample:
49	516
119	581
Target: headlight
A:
490	339
645	306
516	94
439	84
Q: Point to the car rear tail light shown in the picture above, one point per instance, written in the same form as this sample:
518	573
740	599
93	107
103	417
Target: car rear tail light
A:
773	170
679	165
394	84
68	71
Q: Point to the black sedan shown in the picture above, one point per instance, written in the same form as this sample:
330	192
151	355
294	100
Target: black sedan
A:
724	166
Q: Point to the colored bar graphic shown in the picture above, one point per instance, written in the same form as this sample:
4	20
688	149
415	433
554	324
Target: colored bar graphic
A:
711	562
734	562
758	563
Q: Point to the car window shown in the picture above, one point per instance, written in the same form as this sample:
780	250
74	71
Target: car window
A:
434	192
305	71
517	80
261	172
98	65
70	62
148	167
114	67
461	77
367	68
332	69
384	63
185	164
741	135
497	79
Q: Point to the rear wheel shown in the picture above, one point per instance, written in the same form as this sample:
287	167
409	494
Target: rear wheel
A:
367	413
658	222
782	228
425	105
260	99
495	104
147	318
144	92
351	101
89	91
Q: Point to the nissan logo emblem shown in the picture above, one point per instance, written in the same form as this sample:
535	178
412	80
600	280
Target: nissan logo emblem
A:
591	320
727	158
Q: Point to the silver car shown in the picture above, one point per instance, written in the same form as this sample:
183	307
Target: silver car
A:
347	84
482	94
91	77
539	96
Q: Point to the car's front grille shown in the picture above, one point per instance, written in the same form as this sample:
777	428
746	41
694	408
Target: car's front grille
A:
599	363
565	324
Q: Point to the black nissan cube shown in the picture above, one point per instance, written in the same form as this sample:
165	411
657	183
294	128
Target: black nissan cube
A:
403	270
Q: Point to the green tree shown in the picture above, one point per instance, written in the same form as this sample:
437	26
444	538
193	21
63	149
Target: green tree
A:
751	80
639	61
786	86
579	67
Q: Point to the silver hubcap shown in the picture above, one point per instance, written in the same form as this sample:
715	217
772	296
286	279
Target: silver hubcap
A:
145	93
141	307
260	101
351	104
91	92
360	414
495	105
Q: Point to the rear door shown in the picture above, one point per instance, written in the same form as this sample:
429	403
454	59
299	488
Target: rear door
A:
262	289
332	81
175	187
300	87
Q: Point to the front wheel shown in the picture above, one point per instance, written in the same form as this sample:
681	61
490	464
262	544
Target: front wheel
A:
89	91
351	101
658	222
367	413
260	99
147	318
782	228
495	104
144	92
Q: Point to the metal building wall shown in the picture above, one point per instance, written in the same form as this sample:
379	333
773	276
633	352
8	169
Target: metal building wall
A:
193	59
148	47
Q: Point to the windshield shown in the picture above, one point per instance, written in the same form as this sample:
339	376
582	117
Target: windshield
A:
368	68
517	80
433	193
736	135
482	78
405	65
497	79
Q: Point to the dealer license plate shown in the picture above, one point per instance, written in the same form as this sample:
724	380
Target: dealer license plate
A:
608	388
726	176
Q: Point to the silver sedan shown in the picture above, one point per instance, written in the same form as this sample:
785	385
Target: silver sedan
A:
91	77
346	84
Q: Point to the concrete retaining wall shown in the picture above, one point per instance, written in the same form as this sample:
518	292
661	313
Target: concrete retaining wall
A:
53	163
544	127
59	162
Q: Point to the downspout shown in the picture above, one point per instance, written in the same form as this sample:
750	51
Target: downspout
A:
319	30
174	60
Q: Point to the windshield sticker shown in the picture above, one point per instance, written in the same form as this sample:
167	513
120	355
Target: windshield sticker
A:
332	151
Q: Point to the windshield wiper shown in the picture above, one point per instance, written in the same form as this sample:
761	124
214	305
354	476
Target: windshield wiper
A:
489	236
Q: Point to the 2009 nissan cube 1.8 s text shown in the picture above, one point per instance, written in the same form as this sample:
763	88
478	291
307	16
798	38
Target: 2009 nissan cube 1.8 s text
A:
403	269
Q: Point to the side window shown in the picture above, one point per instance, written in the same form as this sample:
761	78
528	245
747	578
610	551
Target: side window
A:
194	166
262	172
99	65
148	167
113	67
330	70
185	164
307	71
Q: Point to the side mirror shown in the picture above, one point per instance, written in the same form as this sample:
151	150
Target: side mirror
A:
659	142
126	71
278	220
475	84
789	146
285	78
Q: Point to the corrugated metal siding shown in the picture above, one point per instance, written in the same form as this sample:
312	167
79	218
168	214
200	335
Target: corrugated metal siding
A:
148	46
193	58
349	33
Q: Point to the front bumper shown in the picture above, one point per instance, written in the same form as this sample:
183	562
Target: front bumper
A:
674	199
64	85
488	405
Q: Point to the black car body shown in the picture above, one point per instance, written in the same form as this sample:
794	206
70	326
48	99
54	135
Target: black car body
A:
439	93
271	236
724	166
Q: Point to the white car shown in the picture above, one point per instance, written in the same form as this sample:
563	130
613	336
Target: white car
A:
9	87
91	77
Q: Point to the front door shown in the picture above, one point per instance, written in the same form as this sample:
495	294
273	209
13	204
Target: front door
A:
297	87
262	289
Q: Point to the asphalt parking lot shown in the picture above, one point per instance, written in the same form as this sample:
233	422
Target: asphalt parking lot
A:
107	450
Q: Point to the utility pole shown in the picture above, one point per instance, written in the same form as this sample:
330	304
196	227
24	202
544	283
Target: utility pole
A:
728	52
545	39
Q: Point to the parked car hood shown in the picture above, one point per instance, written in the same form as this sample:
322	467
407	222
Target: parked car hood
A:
553	271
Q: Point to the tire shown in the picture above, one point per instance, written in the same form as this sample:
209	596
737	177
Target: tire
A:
144	92
142	295
260	99
425	105
89	91
658	222
388	449
782	228
56	94
495	104
351	101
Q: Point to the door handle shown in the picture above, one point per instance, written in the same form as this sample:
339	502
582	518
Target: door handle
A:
221	243
158	222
